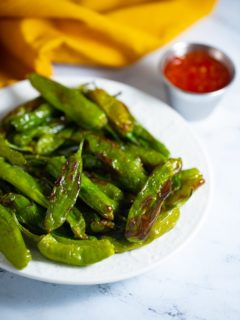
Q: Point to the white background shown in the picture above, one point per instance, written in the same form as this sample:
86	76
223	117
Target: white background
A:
200	282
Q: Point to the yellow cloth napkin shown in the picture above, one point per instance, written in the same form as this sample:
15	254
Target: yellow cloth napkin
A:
35	33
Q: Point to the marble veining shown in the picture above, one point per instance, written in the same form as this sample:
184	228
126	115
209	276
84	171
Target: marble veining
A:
202	281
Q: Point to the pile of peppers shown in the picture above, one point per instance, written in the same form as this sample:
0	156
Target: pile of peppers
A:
81	179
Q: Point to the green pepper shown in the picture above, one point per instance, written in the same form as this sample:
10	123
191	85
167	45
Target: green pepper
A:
144	138
29	120
24	138
147	205
101	225
70	101
149	157
50	142
12	244
11	155
93	196
26	211
65	192
95	223
185	182
32	216
22	181
108	188
25	107
75	252
54	165
92	162
117	112
164	223
90	193
124	168
123	121
77	223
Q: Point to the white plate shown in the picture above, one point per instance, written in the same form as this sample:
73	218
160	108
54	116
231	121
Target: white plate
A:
168	126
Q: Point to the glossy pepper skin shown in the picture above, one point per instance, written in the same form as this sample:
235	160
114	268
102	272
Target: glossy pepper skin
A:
27	106
146	139
65	192
91	162
95	223
26	211
70	101
124	168
90	193
124	122
101	225
12	244
108	188
184	183
25	138
29	120
31	215
23	181
49	142
147	205
149	157
32	189
77	223
117	112
10	154
164	223
73	252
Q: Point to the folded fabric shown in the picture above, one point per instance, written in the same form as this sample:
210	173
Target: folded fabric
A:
34	34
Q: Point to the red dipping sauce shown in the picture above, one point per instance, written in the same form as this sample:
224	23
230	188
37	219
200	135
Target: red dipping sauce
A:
197	72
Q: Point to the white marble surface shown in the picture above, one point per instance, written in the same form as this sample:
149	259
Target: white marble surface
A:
202	281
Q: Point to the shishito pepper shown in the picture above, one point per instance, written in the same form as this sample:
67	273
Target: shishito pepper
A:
116	111
147	205
23	181
95	223
11	241
49	142
23	108
77	223
31	215
164	223
65	192
93	196
29	120
108	188
123	121
26	211
24	138
126	169
32	189
75	252
70	101
184	183
149	157
7	152
144	138
90	192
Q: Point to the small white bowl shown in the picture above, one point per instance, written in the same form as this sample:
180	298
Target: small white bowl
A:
194	106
